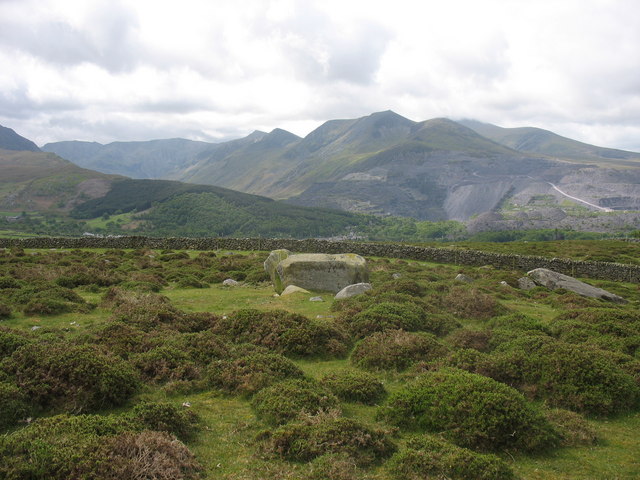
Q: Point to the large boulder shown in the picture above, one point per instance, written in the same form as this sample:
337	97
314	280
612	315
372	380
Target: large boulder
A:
554	280
319	271
270	264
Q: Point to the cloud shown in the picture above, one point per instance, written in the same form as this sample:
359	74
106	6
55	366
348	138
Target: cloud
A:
109	70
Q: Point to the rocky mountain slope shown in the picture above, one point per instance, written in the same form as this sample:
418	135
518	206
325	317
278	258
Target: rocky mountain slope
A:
386	164
10	140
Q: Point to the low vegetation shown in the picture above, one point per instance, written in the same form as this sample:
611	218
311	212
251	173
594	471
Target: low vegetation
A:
144	358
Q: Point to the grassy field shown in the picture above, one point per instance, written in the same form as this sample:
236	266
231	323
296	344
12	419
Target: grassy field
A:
229	442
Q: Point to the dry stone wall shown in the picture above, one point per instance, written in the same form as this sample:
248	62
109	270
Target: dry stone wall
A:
599	270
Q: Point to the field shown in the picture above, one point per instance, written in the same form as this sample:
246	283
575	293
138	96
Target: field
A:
131	355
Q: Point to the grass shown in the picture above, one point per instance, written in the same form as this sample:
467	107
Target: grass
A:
226	446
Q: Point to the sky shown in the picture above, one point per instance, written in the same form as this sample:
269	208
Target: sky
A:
214	70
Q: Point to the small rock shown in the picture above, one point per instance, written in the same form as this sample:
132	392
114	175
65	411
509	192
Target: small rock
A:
186	404
316	299
525	283
35	327
504	284
293	289
396	276
230	282
461	277
351	290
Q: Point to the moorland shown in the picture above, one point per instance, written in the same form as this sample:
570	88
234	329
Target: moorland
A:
142	364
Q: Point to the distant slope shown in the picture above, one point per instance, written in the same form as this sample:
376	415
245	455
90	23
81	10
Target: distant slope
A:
204	210
43	181
150	159
544	142
10	140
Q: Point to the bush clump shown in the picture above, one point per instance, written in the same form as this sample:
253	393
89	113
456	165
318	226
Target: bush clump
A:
13	405
471	410
333	466
396	350
5	310
572	427
431	457
73	377
354	386
165	363
564	375
250	373
325	435
287	400
165	417
144	455
469	302
283	332
386	316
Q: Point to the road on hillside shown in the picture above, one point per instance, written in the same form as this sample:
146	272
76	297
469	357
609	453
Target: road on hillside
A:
604	209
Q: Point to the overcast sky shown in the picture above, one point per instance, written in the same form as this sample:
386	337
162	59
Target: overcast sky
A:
215	69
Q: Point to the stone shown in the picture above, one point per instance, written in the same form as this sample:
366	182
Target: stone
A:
322	272
554	280
293	289
230	282
461	277
352	290
270	264
396	276
525	283
504	284
316	299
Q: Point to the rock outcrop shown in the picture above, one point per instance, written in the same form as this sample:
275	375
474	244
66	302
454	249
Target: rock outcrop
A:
554	280
316	271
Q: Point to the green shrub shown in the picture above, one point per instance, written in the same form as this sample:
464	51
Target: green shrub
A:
140	286
189	281
287	400
146	311
9	282
471	410
404	285
73	377
396	350
572	428
283	332
431	457
564	375
386	316
333	466
57	448
165	417
469	302
5	310
607	328
306	441
13	405
354	386
474	339
11	340
122	339
165	363
46	306
251	373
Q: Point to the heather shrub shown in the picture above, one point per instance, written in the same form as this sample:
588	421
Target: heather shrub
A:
403	285
572	428
9	282
283	332
57	448
287	400
471	410
73	377
11	340
325	435
251	373
607	328
141	286
122	339
5	310
46	306
164	363
431	457
565	375
144	455
396	350
354	386
469	302
190	281
13	405
386	316
165	417
474	339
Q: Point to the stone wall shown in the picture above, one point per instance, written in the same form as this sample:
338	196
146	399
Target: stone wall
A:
599	270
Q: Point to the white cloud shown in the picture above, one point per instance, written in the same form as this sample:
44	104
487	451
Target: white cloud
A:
107	70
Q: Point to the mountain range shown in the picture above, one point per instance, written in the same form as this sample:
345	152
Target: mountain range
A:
385	164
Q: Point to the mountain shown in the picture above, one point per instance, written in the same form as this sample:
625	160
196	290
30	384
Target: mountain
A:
55	196
388	165
543	142
150	159
10	140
